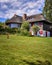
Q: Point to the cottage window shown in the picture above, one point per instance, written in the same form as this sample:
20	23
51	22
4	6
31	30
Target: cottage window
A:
14	25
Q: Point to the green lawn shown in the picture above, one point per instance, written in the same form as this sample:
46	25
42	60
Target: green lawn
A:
22	50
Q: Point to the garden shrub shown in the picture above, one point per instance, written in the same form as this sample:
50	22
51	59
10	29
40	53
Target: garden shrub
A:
25	25
35	28
24	32
25	28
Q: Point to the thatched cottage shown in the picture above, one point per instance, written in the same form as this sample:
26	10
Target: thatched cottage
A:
38	19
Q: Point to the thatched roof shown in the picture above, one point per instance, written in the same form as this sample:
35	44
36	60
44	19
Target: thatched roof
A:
32	18
36	18
15	19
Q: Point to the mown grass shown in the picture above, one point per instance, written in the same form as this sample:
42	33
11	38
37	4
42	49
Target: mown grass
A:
22	50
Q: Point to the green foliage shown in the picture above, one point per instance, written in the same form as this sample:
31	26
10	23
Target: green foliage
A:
5	29
25	25
35	28
6	20
19	30
2	28
1	23
11	30
48	10
24	32
25	28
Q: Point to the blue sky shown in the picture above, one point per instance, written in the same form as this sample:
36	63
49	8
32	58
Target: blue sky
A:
10	7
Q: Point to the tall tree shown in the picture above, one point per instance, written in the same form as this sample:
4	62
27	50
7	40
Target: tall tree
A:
48	10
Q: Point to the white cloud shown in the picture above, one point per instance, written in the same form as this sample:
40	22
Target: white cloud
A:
11	12
31	4
36	5
27	7
4	6
2	15
8	0
15	4
32	12
3	0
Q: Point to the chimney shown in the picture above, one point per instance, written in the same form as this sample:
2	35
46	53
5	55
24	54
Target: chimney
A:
14	15
24	16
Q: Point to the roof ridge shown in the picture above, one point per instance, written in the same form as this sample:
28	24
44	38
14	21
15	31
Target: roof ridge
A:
34	15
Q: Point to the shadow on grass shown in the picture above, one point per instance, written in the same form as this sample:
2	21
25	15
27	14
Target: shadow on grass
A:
37	62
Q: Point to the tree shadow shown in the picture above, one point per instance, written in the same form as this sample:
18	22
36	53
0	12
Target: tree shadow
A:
47	62
38	62
30	63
